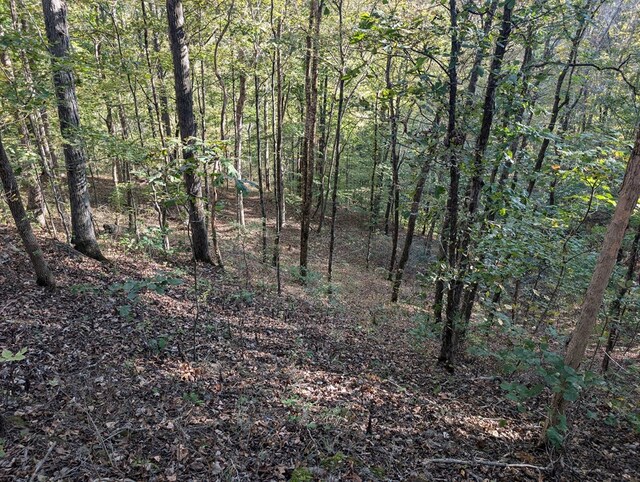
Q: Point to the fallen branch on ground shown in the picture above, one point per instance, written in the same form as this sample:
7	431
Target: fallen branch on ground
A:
485	462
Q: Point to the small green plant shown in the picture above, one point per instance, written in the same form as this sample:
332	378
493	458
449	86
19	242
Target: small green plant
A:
84	288
7	356
152	240
423	329
301	474
132	289
551	373
242	297
158	345
193	397
312	277
335	461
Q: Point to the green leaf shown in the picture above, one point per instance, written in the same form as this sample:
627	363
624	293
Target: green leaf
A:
570	394
555	437
124	311
8	356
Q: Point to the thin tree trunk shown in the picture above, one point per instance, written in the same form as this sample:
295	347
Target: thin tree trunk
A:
395	169
336	177
279	181
132	209
237	152
308	149
157	110
12	193
616	307
263	212
450	226
558	102
373	196
413	217
475	188
337	151
35	197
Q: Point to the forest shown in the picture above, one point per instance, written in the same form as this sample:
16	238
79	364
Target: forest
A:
319	240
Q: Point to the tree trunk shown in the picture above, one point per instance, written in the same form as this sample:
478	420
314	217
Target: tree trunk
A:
83	234
616	307
308	149
263	212
395	168
12	193
627	200
413	216
450	225
373	195
237	152
558	101
475	187
186	119
159	205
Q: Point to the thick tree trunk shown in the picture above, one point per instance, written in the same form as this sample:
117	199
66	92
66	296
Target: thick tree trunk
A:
83	234
627	200
12	193
186	119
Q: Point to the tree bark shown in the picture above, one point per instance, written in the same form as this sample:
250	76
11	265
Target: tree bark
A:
186	119
627	200
263	212
83	234
452	143
395	168
616	306
237	152
308	149
12	193
413	216
475	187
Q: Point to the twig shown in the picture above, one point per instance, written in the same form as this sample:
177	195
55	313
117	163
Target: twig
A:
485	462
99	435
610	358
41	463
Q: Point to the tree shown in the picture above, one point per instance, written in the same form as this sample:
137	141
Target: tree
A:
12	193
449	253
308	145
83	234
627	201
186	120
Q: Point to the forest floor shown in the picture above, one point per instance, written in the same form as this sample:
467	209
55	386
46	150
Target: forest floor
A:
231	382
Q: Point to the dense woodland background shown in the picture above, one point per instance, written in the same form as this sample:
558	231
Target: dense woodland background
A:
319	240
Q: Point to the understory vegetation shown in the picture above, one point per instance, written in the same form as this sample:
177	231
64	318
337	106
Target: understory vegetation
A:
319	240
